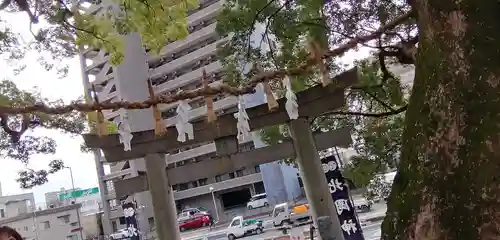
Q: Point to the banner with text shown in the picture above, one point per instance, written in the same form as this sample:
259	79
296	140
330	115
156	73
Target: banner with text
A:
130	221
346	211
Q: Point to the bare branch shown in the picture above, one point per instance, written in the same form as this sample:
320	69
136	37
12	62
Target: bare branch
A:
362	114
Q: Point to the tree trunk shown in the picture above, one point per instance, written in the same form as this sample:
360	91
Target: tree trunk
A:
448	184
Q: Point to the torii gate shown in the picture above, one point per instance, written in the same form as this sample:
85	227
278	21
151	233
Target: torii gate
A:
313	102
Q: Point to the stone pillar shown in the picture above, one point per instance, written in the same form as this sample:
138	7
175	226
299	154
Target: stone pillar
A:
313	176
131	85
162	197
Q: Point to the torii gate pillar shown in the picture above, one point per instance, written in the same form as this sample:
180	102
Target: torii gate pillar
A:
313	176
162	198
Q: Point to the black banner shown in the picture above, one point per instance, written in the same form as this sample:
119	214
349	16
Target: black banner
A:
340	193
130	221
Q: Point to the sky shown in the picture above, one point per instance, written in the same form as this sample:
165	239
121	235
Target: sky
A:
68	150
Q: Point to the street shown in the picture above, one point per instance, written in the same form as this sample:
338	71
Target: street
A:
371	229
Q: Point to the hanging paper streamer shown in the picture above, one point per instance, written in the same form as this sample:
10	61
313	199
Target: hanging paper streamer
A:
211	117
242	124
159	128
129	213
124	131
291	105
183	126
272	104
317	55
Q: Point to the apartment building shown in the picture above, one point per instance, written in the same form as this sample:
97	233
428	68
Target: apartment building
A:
55	223
179	67
13	205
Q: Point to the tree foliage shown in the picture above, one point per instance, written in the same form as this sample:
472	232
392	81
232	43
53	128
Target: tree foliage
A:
449	147
375	107
59	30
17	140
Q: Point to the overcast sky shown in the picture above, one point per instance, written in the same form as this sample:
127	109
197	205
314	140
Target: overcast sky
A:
68	149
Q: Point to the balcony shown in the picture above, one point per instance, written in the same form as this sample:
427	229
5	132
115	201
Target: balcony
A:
187	59
208	12
117	174
188	78
193	192
190	40
115	213
222	104
195	152
231	183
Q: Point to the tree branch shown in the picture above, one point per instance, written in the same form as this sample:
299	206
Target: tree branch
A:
251	27
383	114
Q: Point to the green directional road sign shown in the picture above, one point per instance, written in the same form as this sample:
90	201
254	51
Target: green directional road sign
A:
79	193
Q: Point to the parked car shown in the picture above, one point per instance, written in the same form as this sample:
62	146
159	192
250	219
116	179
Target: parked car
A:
196	222
191	213
239	227
120	234
257	201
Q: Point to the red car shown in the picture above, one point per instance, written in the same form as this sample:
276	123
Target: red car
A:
195	222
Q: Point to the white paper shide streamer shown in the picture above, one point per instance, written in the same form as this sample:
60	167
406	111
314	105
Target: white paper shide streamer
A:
242	124
183	126
124	131
291	105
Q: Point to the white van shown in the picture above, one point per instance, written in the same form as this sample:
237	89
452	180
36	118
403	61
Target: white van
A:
257	201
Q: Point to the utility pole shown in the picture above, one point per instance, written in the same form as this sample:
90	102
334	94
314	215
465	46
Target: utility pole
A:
162	197
103	189
74	199
35	225
313	177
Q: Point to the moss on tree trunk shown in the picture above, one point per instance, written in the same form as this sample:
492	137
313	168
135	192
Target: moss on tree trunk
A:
448	184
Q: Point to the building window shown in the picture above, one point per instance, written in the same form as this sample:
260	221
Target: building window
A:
114	226
25	228
72	237
246	147
74	224
151	222
113	204
122	220
2	213
257	169
64	219
195	184
231	175
46	225
239	173
183	186
218	178
203	181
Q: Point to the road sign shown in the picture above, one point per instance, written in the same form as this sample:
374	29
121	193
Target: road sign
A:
79	193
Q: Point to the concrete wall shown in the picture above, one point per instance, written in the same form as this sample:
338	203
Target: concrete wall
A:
291	181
